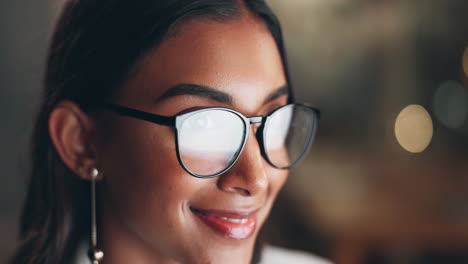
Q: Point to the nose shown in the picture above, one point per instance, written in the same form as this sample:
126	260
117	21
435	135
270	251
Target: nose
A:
248	176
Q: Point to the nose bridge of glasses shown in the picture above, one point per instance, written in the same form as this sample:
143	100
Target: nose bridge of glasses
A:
256	119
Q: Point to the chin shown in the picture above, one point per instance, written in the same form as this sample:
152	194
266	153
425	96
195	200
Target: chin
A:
222	255
215	249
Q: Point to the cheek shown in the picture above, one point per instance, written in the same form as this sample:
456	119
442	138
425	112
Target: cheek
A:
135	158
282	177
277	179
144	183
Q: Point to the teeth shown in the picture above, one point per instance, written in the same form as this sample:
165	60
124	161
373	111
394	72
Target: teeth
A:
237	221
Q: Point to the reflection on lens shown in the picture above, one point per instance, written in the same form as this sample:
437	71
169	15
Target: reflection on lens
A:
288	135
209	140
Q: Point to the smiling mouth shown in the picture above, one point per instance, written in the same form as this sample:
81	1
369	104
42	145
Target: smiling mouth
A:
234	225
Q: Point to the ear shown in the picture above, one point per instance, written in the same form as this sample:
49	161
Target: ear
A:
71	131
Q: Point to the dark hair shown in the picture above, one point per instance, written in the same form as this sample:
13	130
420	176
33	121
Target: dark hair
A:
95	46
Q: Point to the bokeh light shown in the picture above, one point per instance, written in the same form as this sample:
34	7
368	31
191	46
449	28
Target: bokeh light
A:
414	128
451	104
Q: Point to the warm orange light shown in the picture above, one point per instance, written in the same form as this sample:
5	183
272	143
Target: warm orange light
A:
414	128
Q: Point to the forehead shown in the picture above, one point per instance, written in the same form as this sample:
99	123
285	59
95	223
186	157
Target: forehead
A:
238	57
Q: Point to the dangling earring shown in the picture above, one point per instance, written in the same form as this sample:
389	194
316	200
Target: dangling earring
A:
95	255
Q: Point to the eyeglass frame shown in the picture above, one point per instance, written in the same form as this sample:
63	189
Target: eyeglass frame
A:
175	122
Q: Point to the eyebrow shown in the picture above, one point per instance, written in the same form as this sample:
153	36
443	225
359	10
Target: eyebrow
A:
214	94
197	90
282	90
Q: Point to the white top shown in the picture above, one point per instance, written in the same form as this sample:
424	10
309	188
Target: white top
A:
276	255
270	255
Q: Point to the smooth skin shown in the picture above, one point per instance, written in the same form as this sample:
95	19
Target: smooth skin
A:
145	195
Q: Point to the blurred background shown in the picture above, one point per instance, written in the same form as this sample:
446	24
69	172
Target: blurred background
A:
387	178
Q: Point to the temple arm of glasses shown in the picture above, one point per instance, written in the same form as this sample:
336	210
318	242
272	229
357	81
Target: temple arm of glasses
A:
157	119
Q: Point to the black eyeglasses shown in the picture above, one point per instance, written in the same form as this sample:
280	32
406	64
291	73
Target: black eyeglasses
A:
209	141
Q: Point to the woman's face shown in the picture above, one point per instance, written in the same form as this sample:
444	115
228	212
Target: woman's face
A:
151	208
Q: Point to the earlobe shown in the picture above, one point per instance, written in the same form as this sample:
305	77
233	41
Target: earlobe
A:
71	130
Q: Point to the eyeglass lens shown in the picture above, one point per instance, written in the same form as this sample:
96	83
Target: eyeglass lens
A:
209	141
288	134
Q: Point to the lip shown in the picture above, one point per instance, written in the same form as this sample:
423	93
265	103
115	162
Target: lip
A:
229	224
